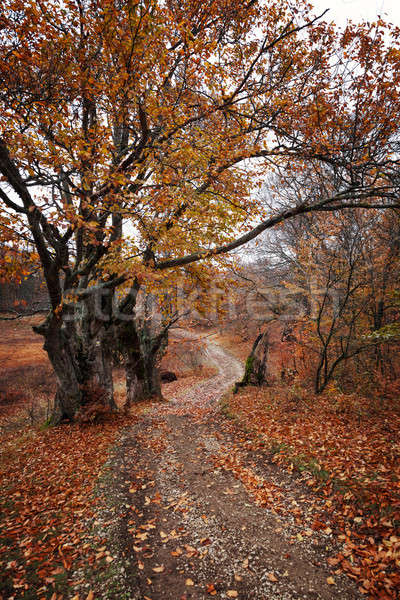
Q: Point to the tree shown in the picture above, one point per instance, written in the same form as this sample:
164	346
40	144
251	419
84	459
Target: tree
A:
344	270
133	133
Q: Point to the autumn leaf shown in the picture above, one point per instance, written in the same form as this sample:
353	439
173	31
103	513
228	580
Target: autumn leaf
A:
159	569
211	589
205	541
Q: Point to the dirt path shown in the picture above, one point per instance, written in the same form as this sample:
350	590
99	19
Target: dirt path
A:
196	515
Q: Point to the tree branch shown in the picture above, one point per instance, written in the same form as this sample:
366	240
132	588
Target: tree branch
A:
271	222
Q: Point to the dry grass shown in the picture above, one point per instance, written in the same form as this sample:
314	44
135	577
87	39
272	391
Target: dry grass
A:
27	380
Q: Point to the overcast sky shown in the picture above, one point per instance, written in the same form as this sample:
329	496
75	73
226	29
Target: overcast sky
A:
356	10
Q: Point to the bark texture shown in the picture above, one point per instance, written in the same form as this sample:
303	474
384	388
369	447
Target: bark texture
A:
256	369
82	362
142	350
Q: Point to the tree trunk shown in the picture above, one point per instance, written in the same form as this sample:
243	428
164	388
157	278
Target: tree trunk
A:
142	351
81	368
100	373
256	364
61	349
142	378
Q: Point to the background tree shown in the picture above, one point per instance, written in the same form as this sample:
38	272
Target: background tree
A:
341	271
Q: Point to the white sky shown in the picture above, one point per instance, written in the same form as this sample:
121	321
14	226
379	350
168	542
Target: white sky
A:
357	10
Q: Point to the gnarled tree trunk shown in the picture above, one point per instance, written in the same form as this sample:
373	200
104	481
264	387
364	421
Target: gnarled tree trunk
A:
61	346
100	375
142	351
81	364
142	378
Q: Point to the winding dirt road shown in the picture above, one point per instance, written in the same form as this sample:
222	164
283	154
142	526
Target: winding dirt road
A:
195	513
203	396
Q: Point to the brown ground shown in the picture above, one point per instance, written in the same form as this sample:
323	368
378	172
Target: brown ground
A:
21	350
182	521
190	513
26	377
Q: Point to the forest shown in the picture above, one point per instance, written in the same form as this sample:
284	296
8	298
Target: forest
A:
199	301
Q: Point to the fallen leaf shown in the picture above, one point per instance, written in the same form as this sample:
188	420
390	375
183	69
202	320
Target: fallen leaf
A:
308	532
330	580
159	569
189	581
232	594
205	541
272	577
190	551
211	589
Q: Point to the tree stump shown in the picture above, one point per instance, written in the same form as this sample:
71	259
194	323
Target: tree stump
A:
256	369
